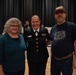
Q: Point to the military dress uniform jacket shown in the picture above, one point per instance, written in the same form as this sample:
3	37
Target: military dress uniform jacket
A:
36	45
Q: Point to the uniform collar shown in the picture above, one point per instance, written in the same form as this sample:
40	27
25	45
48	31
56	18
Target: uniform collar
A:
36	30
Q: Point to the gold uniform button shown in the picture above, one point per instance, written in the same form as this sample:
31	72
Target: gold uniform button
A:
37	50
36	46
36	38
36	42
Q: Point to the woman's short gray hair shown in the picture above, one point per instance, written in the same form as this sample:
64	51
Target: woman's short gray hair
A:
11	20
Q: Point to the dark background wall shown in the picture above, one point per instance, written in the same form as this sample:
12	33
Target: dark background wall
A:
24	9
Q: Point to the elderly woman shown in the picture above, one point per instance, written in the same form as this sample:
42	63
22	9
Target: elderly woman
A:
12	49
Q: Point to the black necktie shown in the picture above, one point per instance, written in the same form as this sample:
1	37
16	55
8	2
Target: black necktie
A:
36	33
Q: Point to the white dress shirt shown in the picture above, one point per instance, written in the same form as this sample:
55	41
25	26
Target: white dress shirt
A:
36	31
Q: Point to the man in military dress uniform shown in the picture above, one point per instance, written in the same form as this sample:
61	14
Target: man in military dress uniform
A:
37	40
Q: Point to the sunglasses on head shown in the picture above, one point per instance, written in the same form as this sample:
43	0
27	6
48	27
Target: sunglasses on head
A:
60	11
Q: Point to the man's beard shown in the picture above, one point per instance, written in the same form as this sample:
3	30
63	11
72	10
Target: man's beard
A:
60	20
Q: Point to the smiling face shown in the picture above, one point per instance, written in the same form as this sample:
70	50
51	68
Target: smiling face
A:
35	22
14	27
60	17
